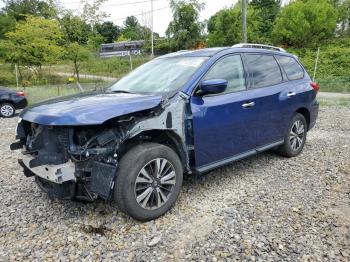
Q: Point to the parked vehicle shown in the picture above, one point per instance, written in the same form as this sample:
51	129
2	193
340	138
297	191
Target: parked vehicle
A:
10	101
186	112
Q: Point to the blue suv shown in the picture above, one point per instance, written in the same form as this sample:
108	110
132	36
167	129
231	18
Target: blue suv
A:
186	112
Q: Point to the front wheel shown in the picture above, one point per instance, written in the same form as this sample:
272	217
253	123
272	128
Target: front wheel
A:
295	137
149	181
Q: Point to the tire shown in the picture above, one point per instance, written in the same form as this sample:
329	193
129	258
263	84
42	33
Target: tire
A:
138	191
295	137
7	110
42	184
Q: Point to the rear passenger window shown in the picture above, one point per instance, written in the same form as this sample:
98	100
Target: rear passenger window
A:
291	67
263	70
231	69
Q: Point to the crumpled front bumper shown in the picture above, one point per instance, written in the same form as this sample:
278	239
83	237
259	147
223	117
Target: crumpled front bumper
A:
54	173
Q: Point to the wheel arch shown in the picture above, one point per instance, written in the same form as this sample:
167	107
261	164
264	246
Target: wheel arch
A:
164	137
306	113
7	101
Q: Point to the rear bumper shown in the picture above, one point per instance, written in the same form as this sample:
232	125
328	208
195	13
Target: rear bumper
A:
313	114
54	173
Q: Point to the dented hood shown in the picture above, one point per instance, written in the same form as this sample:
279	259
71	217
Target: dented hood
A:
88	109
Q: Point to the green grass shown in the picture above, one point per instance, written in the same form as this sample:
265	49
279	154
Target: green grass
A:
110	67
324	102
334	84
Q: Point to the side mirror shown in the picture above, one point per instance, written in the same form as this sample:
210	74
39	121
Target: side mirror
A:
213	86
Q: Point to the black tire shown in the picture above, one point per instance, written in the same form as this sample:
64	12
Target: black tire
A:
287	149
42	184
126	188
7	110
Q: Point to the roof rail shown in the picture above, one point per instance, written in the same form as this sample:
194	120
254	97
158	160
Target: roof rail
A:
269	47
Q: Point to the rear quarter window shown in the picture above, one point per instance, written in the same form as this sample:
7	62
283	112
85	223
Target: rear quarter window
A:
263	70
292	68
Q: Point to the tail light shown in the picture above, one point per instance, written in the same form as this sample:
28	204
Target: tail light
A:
20	93
315	86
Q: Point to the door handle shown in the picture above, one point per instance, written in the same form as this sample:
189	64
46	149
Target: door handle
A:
248	105
291	94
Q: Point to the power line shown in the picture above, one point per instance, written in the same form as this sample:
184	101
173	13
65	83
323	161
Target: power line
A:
123	18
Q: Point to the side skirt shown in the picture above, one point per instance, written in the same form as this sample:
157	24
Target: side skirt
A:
206	168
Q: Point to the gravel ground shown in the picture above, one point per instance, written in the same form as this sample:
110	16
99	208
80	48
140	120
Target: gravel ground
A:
263	208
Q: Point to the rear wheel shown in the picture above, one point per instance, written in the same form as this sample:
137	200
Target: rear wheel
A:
7	110
149	181
295	137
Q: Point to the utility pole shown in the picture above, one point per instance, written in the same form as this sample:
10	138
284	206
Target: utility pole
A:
316	62
244	20
16	70
152	37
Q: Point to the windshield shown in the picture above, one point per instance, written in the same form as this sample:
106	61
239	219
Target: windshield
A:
163	75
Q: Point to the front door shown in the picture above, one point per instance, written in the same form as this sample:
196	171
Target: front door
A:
224	125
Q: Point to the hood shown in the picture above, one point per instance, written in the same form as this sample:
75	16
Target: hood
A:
88	109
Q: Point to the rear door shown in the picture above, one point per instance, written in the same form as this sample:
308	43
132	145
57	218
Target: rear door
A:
297	89
272	101
224	124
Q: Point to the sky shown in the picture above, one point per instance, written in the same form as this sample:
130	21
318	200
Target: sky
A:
119	9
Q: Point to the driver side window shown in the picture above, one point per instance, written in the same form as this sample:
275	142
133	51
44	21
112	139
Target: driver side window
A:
231	69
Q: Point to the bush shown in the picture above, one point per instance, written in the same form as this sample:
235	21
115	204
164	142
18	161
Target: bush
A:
161	47
333	70
7	78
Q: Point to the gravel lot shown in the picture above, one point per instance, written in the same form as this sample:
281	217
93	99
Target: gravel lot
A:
262	208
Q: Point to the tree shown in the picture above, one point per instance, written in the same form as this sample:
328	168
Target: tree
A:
131	22
19	9
261	16
109	31
92	14
7	24
77	54
225	27
132	29
34	42
77	34
185	30
75	29
305	23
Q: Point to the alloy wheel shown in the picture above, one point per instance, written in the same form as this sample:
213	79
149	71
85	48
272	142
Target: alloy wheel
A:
7	110
155	183
297	134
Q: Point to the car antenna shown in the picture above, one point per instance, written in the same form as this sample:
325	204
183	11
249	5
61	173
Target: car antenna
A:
316	62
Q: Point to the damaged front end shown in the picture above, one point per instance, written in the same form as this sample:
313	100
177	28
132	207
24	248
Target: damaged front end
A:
81	161
71	162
